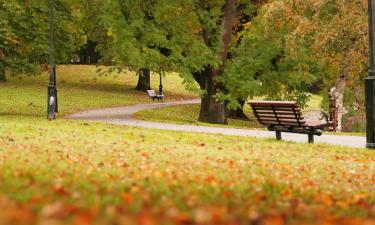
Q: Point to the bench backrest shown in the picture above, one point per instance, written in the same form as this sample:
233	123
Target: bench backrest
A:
278	113
151	93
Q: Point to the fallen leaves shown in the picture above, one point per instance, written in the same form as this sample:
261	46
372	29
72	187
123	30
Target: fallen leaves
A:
127	198
181	180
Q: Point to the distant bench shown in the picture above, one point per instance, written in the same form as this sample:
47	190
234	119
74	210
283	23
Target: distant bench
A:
154	96
286	116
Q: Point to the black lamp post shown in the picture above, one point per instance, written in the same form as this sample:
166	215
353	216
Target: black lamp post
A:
52	91
160	85
370	81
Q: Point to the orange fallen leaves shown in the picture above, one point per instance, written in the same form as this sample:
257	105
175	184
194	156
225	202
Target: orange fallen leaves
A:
127	198
274	220
15	214
135	186
60	189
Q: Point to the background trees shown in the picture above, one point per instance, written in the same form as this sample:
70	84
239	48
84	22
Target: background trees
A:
24	35
333	36
216	23
261	65
218	44
144	36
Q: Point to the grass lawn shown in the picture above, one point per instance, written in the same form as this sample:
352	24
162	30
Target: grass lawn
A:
74	172
80	88
188	114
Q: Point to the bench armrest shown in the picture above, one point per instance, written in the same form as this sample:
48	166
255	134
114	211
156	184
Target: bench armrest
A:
325	115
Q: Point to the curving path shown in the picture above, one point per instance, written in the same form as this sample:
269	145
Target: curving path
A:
124	116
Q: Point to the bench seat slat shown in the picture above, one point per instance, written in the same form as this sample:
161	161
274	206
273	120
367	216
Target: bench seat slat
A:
289	124
282	120
279	116
277	108
270	112
274	103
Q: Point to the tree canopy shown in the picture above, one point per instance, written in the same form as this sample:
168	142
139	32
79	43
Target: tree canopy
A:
24	34
233	49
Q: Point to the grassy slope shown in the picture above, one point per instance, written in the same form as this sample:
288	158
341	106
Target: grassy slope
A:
78	172
80	88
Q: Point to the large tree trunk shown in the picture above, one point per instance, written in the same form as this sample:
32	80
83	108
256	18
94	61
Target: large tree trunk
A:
2	75
338	92
211	110
238	113
144	83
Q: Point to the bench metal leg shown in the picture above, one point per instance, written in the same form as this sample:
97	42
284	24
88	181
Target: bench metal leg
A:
311	138
278	135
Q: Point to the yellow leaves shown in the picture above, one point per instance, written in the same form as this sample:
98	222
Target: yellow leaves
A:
123	164
11	40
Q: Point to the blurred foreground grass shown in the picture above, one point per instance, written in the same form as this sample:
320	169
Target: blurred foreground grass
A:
74	172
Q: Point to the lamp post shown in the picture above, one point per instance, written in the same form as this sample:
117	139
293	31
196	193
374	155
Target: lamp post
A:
52	91
370	81
160	85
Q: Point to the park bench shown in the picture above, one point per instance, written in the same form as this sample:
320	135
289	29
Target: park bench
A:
286	116
154	96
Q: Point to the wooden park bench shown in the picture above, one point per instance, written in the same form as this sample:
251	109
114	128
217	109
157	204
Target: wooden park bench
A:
154	96
286	116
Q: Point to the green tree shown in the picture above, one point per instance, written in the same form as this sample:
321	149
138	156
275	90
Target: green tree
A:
263	65
98	43
24	35
333	35
144	36
191	37
206	58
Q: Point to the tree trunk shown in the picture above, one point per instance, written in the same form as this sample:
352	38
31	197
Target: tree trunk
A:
339	95
338	92
211	110
238	113
2	75
143	80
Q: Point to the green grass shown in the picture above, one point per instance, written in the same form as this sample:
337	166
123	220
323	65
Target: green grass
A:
75	172
188	114
80	88
314	103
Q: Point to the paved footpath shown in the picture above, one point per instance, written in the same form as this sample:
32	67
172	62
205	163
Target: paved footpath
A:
124	116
